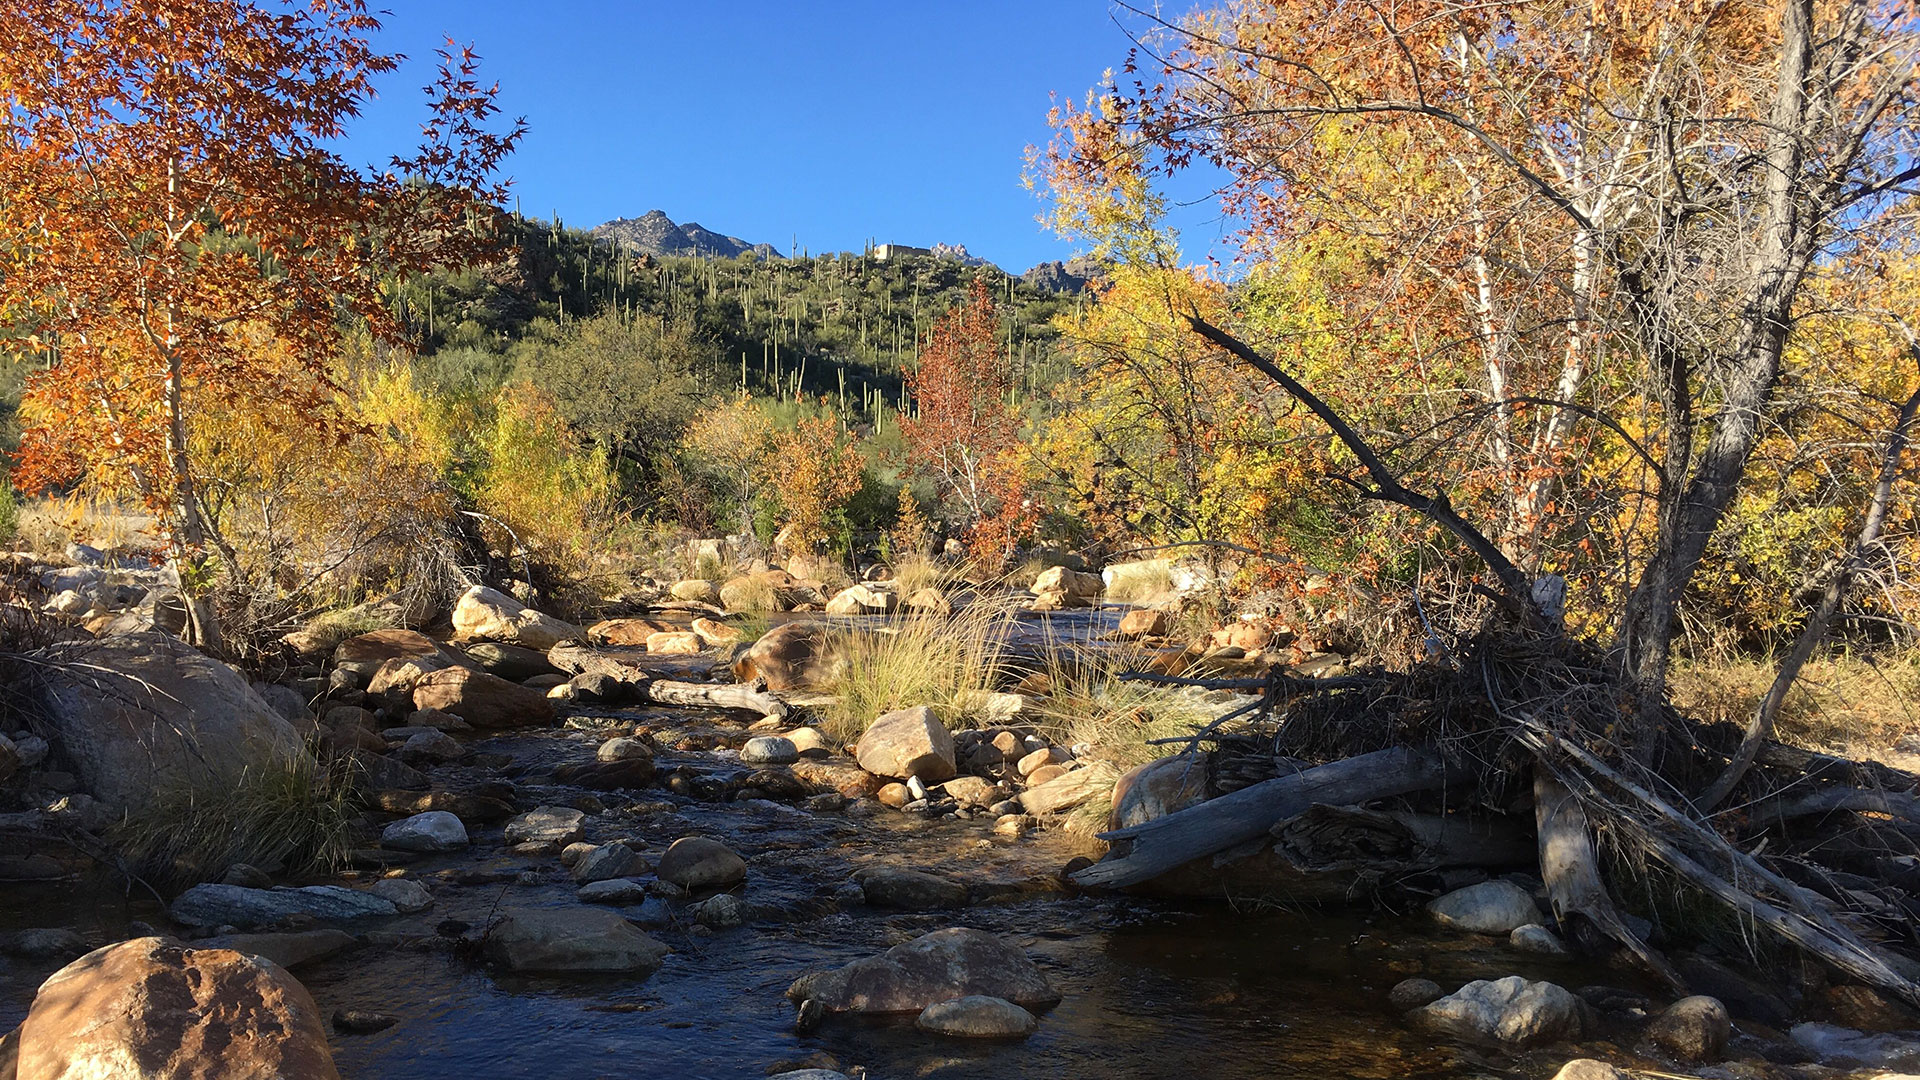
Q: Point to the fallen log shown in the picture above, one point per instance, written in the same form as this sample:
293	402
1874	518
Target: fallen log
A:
1571	870
1149	850
751	696
1899	804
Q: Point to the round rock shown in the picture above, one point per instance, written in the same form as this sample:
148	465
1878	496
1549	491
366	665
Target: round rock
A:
1491	907
435	830
696	862
770	750
977	1017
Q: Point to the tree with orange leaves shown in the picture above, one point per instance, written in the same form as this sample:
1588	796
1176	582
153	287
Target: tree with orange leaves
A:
170	201
964	432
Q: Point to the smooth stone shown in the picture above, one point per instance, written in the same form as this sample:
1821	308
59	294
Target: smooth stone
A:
606	862
1693	1029
1535	938
572	940
404	893
1491	907
1413	993
941	966
248	909
909	890
613	891
548	825
435	830
977	1017
287	950
697	862
769	750
1509	1012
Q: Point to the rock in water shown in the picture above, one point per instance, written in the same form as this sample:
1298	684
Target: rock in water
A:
1588	1069
152	1008
941	966
606	862
567	940
435	830
911	890
696	862
560	825
769	750
514	663
485	614
977	1017
250	909
287	950
908	742
144	717
1510	1012
1491	907
403	893
1693	1029
792	656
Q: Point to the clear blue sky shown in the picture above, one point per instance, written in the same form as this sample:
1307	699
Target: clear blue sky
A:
903	121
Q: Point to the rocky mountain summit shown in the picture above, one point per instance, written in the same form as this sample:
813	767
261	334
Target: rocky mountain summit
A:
657	234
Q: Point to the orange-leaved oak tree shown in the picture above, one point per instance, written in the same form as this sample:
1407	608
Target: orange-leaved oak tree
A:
170	198
964	431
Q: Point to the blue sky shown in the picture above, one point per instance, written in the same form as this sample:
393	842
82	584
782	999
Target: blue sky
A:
825	124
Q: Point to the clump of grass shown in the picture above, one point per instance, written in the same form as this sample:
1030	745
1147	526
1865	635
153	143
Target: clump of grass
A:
1116	720
1143	581
294	815
1855	706
331	628
709	569
916	572
9	513
751	594
950	664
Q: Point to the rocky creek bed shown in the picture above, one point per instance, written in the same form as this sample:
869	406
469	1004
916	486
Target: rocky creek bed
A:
1149	989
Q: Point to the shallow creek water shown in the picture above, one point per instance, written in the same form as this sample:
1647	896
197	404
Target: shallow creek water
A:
1152	989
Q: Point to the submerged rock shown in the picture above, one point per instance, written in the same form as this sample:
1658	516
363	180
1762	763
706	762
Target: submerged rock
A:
572	940
977	1017
910	890
404	893
249	909
153	1008
941	966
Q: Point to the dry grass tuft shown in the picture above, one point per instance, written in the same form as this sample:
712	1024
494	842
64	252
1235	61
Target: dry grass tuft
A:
948	663
1854	706
296	815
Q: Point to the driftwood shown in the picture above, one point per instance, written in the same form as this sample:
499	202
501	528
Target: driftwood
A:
1571	870
752	697
1827	800
1214	826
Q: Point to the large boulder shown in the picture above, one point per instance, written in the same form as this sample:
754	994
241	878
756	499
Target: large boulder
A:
1511	1013
1491	907
792	656
365	653
211	904
485	614
572	940
483	700
152	1009
695	863
941	966
908	742
145	718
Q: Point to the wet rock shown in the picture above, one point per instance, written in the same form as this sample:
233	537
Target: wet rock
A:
792	656
1693	1029
599	688
50	943
1074	584
470	807
623	749
722	912
251	909
825	802
1863	1009
1413	993
617	891
406	894
675	643
362	1021
769	750
143	717
435	830
287	950
1158	788
483	700
606	862
1068	790
908	742
1535	938
152	1008
485	614
851	781
432	745
1510	1012
910	890
941	966
514	663
574	852
1491	907
625	774
547	825
977	1017
695	863
572	940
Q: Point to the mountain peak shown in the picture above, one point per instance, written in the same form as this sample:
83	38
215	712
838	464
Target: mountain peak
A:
654	232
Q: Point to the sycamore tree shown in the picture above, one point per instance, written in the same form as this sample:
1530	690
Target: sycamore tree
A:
1563	230
170	201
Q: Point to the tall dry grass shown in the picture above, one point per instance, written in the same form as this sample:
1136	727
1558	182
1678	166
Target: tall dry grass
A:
1853	705
293	815
951	664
